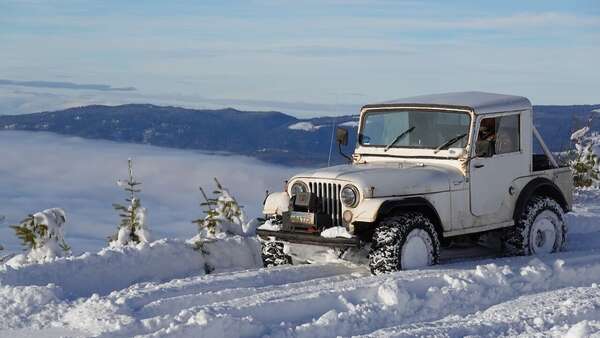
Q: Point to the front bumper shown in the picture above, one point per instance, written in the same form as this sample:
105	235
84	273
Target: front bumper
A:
309	238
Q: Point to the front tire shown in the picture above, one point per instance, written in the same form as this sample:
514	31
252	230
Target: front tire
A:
273	254
403	242
541	229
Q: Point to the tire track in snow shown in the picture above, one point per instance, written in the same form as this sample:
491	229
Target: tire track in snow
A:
543	314
358	306
129	308
210	291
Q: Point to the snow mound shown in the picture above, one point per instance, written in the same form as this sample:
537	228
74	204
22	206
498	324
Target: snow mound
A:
117	268
20	302
306	126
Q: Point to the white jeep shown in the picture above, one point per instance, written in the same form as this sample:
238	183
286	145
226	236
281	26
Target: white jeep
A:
427	171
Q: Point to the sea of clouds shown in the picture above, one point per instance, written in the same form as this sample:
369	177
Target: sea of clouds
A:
42	170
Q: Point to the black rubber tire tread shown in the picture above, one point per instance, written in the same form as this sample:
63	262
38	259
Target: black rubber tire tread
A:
273	254
389	237
516	238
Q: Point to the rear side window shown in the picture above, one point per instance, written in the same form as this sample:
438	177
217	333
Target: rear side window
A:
498	135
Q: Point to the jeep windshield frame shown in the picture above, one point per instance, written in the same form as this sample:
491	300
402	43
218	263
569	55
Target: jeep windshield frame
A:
432	127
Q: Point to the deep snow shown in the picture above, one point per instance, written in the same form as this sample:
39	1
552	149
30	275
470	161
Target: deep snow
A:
160	289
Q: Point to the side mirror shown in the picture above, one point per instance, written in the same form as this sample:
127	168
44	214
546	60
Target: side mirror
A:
341	136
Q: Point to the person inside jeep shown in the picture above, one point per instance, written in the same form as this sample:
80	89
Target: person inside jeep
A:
486	140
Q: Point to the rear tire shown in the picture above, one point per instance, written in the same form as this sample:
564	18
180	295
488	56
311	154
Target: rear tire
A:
273	254
540	229
403	242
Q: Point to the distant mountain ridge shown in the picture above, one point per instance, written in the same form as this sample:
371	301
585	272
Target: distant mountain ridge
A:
264	135
270	136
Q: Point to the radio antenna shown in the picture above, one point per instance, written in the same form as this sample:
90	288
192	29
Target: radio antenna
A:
331	143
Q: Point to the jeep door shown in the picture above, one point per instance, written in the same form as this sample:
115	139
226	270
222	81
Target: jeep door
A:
498	159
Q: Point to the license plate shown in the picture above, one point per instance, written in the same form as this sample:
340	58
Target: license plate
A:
302	217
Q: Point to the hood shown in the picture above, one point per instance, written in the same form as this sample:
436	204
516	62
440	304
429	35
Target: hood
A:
390	179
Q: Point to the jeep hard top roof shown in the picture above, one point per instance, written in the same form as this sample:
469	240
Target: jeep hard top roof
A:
478	102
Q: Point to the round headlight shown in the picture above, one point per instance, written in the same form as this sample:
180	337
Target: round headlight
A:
298	187
349	196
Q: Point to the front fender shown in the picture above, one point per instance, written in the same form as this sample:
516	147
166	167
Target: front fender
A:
436	206
367	210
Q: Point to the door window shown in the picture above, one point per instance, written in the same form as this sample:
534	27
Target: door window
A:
498	135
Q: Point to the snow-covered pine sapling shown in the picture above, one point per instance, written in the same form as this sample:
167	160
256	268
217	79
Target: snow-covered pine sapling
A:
132	228
208	224
42	234
584	162
223	214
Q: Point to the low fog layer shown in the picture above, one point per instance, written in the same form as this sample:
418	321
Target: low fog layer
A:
39	171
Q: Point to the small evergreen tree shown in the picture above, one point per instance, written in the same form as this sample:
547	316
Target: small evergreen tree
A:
223	213
132	228
42	234
584	163
207	224
224	216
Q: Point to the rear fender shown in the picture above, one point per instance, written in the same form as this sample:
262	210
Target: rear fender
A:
543	187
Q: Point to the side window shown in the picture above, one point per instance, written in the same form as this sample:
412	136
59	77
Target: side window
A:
508	138
498	135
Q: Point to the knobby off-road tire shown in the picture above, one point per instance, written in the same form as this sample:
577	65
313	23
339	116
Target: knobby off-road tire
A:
403	242
273	254
540	229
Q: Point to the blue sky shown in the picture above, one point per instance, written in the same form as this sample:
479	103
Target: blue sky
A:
304	57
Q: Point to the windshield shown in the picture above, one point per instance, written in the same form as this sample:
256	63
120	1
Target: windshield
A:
428	128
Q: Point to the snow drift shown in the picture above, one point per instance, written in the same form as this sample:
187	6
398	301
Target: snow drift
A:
116	268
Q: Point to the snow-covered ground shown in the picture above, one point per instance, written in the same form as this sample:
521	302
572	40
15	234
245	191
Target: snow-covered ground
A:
161	289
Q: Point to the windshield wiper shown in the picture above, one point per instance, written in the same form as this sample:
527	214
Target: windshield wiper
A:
398	138
449	142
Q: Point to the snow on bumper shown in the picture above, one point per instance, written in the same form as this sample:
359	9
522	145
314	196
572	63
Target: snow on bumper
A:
276	203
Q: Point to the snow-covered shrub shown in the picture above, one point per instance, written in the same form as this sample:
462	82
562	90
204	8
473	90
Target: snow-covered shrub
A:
132	229
224	216
223	224
583	160
42	234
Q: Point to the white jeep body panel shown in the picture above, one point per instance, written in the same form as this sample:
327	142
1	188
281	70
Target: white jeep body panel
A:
389	179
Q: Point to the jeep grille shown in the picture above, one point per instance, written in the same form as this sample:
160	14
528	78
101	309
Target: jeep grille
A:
329	199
